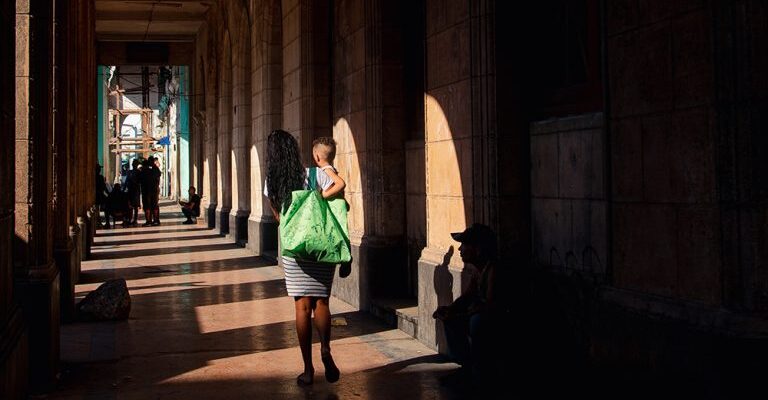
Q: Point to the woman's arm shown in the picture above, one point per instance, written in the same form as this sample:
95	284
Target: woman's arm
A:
338	184
274	212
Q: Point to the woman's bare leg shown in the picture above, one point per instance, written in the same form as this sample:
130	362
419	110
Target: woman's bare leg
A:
323	325
304	331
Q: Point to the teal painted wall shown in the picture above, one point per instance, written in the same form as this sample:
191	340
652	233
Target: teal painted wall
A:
183	126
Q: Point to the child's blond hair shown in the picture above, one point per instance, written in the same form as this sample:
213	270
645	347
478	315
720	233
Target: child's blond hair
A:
325	146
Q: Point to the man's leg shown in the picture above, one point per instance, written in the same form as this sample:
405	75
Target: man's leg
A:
481	345
457	336
157	209
187	213
106	215
145	202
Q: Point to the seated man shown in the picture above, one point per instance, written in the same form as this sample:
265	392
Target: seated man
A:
467	320
191	208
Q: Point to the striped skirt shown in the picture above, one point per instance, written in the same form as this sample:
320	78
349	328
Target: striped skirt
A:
303	278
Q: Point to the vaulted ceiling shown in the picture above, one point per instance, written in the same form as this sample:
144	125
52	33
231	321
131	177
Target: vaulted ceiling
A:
150	21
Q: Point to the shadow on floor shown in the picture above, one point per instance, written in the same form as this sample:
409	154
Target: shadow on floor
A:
199	294
140	272
181	348
170	239
131	253
379	385
149	230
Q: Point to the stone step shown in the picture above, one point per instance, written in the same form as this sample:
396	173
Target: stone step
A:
400	313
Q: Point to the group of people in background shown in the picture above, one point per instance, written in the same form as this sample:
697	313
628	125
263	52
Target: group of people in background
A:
139	187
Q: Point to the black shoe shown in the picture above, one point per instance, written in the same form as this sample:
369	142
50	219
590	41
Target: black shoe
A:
147	224
345	269
155	223
188	222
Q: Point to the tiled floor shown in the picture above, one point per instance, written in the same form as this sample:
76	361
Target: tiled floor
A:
210	321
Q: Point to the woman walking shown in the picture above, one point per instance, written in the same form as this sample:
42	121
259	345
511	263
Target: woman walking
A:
309	283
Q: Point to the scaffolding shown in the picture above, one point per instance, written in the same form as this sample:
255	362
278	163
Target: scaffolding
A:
139	142
140	127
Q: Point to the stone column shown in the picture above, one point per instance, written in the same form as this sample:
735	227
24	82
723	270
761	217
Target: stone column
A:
197	128
306	110
210	173
267	71
64	254
83	172
69	75
459	146
224	137
37	277
369	128
91	120
13	330
241	133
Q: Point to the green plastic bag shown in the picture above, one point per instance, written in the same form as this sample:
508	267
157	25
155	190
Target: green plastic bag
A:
313	228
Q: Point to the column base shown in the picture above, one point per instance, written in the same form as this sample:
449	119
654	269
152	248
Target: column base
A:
262	235
373	260
69	269
14	358
222	220
40	300
238	223
210	215
82	237
439	283
91	222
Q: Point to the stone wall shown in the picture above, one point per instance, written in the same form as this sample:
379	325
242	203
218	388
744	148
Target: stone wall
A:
739	120
568	207
666	239
684	179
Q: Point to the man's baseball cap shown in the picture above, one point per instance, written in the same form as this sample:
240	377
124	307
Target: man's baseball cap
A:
477	234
